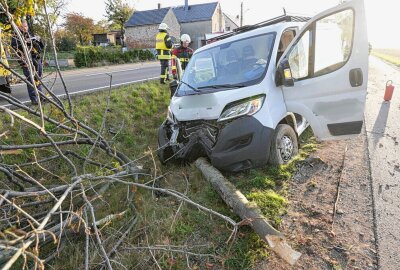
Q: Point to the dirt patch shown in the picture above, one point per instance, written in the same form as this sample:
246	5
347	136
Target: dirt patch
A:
346	243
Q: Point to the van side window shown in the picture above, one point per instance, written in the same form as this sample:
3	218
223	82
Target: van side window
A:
324	48
284	42
333	42
299	57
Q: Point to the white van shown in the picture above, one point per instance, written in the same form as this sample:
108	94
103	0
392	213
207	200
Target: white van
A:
245	99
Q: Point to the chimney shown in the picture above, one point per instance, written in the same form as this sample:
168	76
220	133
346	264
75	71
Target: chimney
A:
159	5
186	4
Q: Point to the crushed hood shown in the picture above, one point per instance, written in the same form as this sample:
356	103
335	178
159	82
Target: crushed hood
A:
196	107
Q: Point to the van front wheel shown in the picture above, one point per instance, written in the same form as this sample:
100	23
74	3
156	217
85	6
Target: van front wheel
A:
284	145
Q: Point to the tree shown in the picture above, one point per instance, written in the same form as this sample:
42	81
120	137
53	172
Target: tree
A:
54	8
80	26
18	9
64	41
118	12
101	26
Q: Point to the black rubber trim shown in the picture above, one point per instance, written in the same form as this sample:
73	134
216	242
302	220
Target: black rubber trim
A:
347	128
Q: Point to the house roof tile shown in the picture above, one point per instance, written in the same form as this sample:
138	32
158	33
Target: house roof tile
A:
199	12
147	17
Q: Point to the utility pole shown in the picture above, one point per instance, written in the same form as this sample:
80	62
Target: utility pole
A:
241	14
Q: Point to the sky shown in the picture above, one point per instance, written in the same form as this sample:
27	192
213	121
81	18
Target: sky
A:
382	15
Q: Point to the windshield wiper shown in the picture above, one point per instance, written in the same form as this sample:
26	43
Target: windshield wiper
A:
191	87
220	86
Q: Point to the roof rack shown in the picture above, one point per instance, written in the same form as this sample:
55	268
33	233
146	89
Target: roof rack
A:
239	30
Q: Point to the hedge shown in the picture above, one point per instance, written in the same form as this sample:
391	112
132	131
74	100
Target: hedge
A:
89	56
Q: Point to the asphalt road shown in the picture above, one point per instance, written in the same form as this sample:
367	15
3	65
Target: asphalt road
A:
93	79
383	136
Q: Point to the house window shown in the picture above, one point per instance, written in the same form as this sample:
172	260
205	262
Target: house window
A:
228	28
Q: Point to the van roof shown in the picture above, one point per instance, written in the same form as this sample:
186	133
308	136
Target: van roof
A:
279	19
277	24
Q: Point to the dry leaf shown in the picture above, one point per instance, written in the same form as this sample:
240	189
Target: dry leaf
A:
170	261
209	265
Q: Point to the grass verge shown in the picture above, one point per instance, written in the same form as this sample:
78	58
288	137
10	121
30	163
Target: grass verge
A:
134	115
391	56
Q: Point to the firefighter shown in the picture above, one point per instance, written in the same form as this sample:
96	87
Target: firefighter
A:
35	47
183	52
163	47
5	74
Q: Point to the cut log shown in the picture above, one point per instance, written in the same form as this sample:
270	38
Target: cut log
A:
248	211
11	152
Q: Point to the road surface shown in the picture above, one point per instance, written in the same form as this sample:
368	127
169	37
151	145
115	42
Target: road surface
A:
382	122
92	79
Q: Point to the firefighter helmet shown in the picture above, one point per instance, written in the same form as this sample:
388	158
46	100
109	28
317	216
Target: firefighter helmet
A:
163	26
185	38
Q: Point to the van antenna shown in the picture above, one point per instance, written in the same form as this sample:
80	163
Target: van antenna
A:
284	11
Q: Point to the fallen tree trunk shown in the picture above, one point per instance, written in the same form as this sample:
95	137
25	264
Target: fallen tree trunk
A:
248	211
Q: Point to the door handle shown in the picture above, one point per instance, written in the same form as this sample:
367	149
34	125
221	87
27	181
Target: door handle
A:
356	77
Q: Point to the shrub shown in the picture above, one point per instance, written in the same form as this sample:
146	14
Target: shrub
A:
89	56
66	44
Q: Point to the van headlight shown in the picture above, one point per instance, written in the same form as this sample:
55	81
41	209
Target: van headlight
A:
243	107
170	115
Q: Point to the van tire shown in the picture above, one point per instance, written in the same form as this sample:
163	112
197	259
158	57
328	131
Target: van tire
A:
165	154
165	151
284	145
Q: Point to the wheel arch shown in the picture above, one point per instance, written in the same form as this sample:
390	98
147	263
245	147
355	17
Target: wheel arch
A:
290	120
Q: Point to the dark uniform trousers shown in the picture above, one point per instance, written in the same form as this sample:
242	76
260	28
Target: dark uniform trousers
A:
164	70
37	65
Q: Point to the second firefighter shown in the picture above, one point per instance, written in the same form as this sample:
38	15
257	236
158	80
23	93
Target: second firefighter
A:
183	53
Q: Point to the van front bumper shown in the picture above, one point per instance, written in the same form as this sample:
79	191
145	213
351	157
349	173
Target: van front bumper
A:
236	145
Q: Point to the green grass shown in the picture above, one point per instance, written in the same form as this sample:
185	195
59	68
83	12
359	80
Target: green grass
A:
61	55
48	69
136	111
391	56
267	186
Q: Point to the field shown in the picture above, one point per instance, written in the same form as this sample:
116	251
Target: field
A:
389	55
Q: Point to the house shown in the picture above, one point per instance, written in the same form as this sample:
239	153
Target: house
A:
142	28
194	20
104	39
230	23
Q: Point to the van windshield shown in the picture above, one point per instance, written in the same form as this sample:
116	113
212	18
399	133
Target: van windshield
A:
230	65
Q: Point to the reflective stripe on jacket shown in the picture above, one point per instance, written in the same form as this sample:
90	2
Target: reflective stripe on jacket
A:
184	55
3	71
163	46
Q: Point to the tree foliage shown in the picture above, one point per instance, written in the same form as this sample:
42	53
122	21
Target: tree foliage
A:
19	9
64	41
118	12
54	8
80	27
102	26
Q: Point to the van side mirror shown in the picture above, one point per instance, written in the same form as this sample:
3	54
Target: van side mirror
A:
173	86
283	75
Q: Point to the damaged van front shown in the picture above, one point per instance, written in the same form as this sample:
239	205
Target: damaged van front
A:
213	112
245	99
